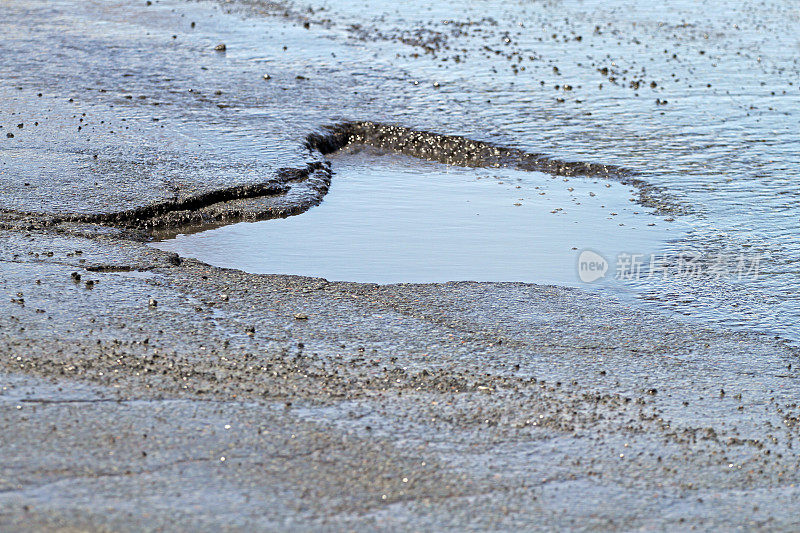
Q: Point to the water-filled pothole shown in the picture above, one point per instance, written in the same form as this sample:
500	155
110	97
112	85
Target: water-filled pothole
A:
390	218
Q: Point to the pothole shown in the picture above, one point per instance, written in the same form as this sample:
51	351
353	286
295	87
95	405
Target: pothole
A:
391	218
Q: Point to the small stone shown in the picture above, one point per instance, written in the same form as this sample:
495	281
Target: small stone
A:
153	303
75	277
250	330
224	297
220	47
90	284
300	316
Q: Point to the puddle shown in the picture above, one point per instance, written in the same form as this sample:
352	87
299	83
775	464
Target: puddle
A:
702	103
390	218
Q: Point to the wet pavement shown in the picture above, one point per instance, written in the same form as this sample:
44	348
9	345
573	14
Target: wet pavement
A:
148	391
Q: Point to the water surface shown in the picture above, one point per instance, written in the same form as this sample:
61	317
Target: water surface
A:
390	218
